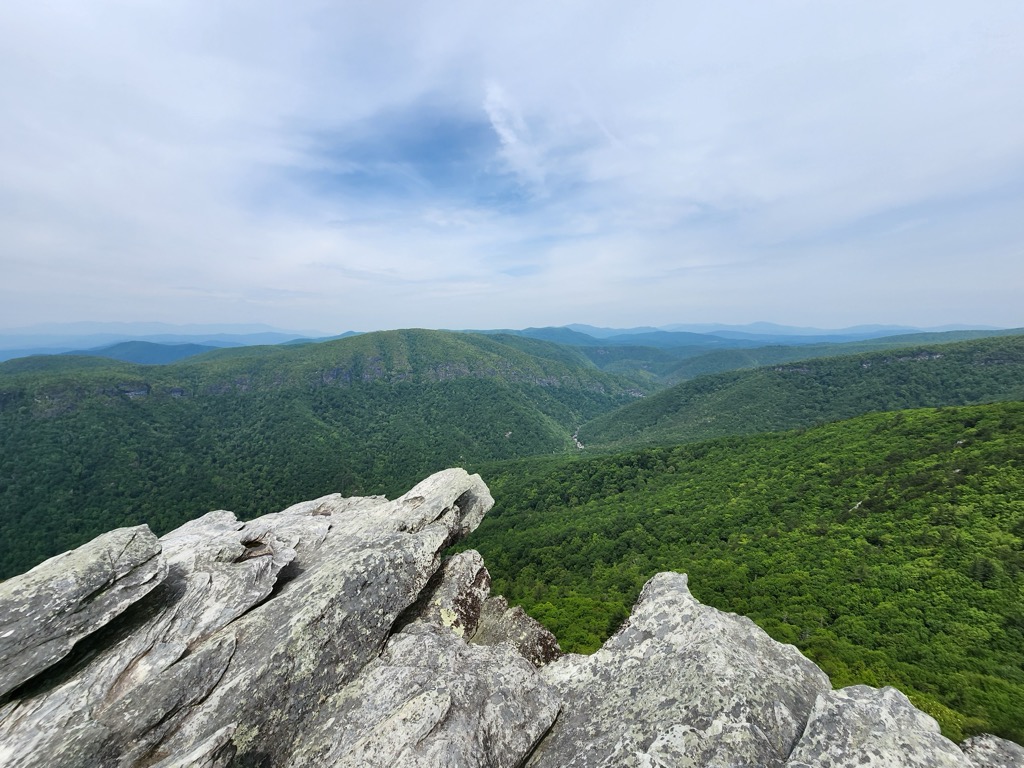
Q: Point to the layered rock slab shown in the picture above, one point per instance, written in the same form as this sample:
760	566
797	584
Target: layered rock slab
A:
431	699
45	611
498	624
254	626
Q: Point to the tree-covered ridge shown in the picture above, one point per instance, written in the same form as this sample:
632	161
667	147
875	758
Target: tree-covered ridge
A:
813	391
671	365
88	447
722	360
147	352
889	548
407	355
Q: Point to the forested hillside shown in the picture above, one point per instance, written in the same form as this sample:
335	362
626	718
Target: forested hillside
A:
668	365
889	548
814	391
722	360
91	444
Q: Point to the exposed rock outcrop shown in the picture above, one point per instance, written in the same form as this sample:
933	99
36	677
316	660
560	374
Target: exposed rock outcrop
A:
499	624
862	726
681	684
987	751
49	609
333	634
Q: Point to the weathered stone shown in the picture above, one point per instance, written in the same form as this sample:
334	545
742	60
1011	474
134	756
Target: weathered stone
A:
456	595
862	727
513	626
120	699
988	751
332	634
334	617
431	699
44	612
216	752
680	684
212	648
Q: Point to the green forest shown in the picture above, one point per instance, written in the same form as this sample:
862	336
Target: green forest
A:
93	444
812	391
867	508
889	548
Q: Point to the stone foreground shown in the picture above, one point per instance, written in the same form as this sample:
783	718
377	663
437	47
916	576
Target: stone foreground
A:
333	634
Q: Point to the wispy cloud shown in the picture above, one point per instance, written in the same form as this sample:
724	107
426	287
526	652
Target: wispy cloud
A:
518	152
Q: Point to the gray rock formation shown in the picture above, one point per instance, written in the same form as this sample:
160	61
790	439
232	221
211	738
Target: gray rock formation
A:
44	612
333	634
253	627
513	626
862	727
681	684
455	596
432	699
988	751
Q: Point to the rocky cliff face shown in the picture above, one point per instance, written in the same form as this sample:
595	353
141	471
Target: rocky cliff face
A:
333	634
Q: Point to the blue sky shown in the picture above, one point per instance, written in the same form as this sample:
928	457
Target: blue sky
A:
354	165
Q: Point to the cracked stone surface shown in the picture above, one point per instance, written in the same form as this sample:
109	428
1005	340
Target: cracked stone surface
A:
455	597
45	611
432	699
254	624
681	684
499	624
868	727
988	751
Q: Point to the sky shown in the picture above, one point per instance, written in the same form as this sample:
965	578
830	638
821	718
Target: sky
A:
368	165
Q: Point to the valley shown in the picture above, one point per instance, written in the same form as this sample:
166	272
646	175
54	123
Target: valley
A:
864	502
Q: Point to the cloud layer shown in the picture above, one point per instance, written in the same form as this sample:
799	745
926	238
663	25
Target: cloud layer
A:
357	165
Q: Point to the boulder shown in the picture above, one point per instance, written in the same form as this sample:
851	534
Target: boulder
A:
680	684
513	626
455	596
862	727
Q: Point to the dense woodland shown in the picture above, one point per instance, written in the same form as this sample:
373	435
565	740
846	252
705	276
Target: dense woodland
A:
809	392
92	444
887	546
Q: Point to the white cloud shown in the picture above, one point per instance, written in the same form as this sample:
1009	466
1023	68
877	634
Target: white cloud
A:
517	150
656	163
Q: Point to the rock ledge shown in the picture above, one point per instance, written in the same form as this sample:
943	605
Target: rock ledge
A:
334	634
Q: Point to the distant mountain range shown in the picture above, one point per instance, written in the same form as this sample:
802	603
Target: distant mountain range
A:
146	352
761	330
101	339
687	340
